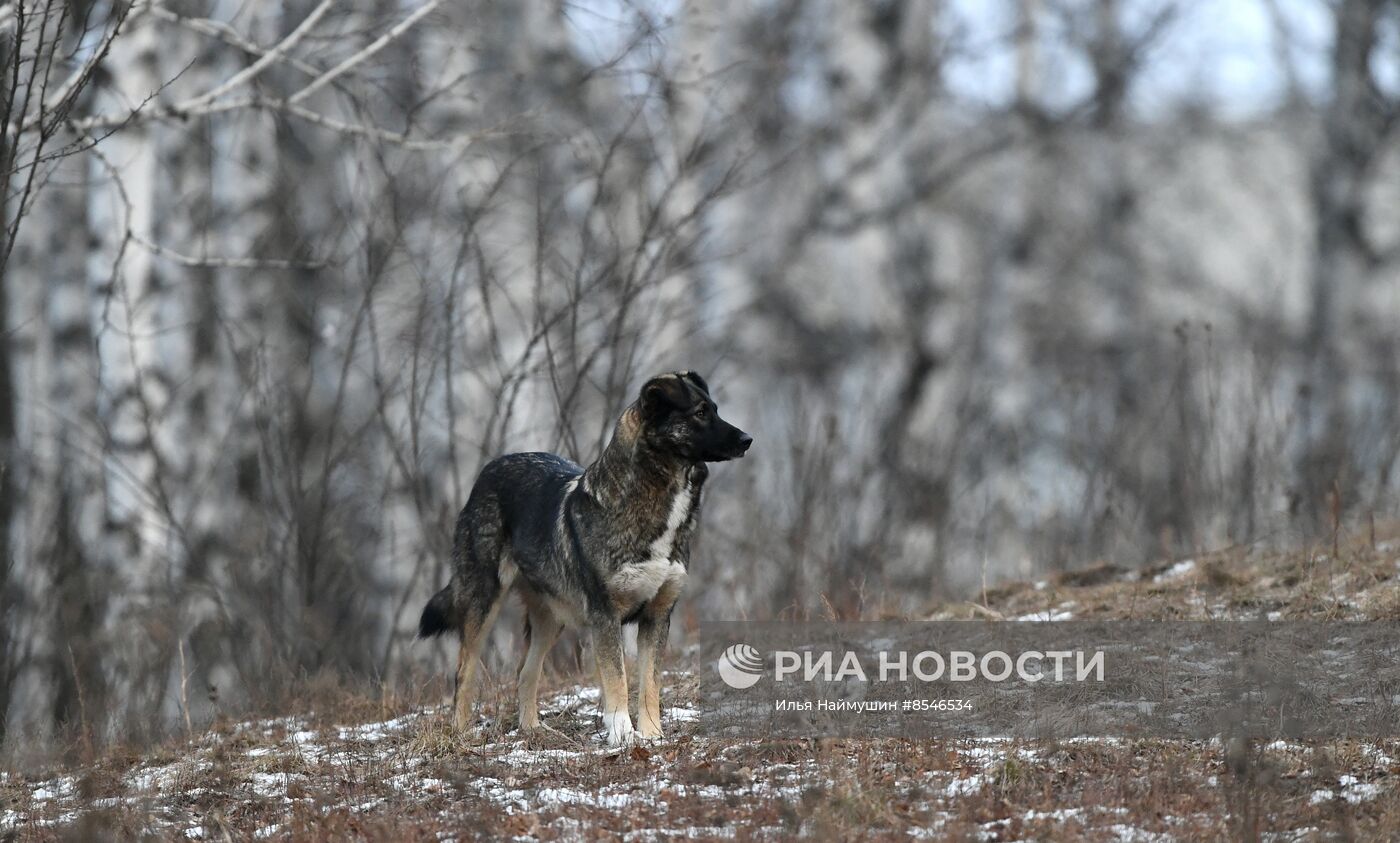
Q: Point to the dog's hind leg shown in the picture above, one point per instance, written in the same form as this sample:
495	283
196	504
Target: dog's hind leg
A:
490	575
612	680
542	628
475	629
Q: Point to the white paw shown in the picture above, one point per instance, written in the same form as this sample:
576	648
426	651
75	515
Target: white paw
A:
619	726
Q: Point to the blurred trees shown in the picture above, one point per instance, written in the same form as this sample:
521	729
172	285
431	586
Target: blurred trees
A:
1358	127
278	278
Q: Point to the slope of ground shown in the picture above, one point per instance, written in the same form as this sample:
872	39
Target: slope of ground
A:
404	775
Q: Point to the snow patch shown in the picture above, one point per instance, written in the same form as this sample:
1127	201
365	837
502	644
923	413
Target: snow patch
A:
572	699
1058	815
1352	789
1132	834
373	732
1356	791
1176	571
272	784
525	757
568	796
964	787
163	778
60	788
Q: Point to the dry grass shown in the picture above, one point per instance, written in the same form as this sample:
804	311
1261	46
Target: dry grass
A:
1359	583
391	769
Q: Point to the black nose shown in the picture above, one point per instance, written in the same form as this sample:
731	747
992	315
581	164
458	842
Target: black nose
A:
745	441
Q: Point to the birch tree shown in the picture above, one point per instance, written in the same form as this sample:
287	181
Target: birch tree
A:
1358	121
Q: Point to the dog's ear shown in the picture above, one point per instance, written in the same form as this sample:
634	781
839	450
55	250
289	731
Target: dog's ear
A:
660	395
697	380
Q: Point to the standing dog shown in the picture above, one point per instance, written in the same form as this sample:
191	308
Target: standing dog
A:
592	548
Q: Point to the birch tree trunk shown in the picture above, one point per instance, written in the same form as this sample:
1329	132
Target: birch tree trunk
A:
67	507
47	523
138	337
8	400
1352	136
230	172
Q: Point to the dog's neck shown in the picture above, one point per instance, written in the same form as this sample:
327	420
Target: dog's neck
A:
629	468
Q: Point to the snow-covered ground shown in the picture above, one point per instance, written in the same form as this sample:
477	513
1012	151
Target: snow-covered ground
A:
272	779
404	774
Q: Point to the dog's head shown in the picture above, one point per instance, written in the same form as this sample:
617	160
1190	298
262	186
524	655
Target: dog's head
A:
678	416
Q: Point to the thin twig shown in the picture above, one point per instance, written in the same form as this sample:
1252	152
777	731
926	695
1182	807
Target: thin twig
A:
375	46
251	71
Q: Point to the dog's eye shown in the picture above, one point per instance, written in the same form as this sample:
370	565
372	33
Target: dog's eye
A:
703	411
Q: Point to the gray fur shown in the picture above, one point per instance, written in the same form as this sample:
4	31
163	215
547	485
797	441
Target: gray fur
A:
590	548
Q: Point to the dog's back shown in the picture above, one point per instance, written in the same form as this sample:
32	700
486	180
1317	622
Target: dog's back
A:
529	491
515	504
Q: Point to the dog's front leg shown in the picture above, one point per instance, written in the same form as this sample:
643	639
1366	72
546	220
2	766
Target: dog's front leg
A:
612	679
651	645
653	627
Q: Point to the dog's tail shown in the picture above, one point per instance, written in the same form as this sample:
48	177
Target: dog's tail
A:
439	616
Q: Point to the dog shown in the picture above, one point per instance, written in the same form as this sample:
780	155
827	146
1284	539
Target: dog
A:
593	549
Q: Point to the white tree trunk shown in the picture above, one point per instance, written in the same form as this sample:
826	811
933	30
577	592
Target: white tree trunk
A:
140	344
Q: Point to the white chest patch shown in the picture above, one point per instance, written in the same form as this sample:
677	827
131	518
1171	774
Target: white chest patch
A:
642	580
665	544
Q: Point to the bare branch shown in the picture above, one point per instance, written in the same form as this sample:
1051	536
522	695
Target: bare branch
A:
364	55
268	58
